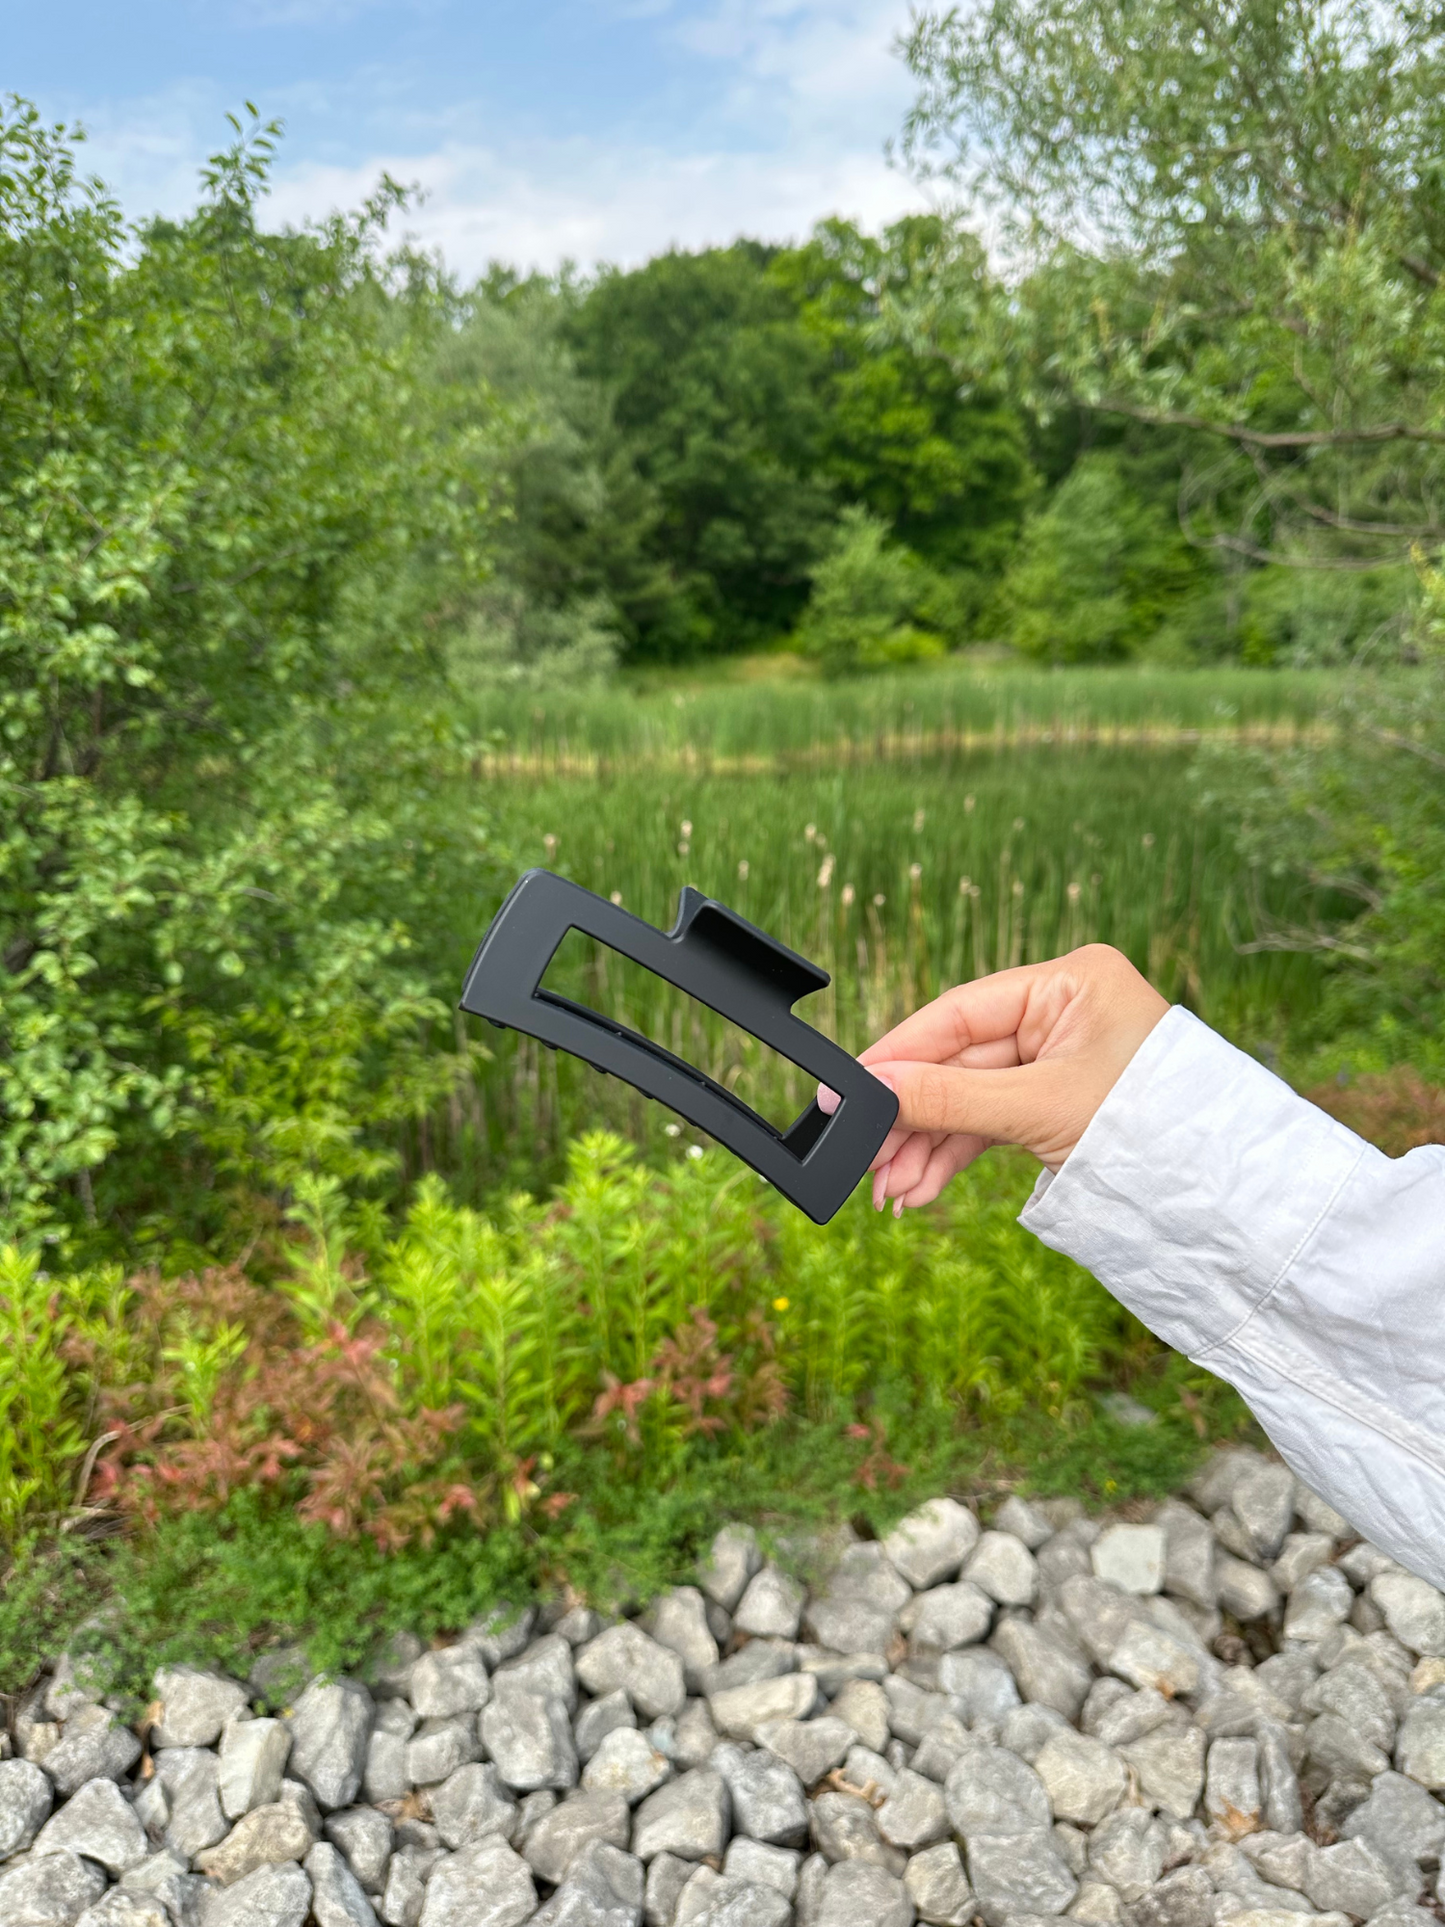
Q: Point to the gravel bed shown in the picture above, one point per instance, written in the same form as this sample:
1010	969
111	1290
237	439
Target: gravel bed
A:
1230	1712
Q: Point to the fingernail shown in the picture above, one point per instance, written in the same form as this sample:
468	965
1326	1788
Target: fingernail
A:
898	1207
828	1101
880	1186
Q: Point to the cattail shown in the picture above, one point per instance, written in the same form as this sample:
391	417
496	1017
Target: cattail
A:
743	871
968	806
549	844
1075	892
965	884
919	818
1018	887
617	897
1018	822
848	896
825	875
915	871
683	847
685	827
810	832
879	901
1148	839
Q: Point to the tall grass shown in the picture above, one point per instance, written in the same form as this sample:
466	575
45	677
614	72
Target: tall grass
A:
703	722
900	878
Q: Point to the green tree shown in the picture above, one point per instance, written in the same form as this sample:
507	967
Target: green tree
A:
944	461
1240	212
717	389
226	508
866	591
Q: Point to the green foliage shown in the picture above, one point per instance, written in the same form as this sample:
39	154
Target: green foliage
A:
225	501
1235	218
863	595
1100	571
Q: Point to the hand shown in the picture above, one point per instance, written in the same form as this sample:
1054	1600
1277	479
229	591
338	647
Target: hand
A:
1023	1057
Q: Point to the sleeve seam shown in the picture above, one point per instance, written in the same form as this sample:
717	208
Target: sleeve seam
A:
1234	1334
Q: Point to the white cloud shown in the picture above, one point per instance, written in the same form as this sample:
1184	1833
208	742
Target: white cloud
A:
585	203
797	100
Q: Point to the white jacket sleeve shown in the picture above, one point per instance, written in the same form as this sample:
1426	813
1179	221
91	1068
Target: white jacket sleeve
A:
1273	1246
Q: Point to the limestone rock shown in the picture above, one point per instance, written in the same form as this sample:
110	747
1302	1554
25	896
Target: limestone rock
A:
337	1899
92	1745
1004	1568
253	1758
854	1892
1414	1611
931	1544
1018	1873
650	1674
195	1706
991	1791
915	1814
1045	1669
626	1762
771	1607
363	1837
482	1886
679	1622
450	1681
1085	1779
1130	1557
810	1747
188	1775
25	1800
935	1882
741	1711
99	1822
329	1730
948	1617
52	1890
1170	1768
551	1846
689	1817
530	1739
265	1837
733	1560
269	1897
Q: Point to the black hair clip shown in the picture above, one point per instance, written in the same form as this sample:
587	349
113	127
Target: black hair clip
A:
725	962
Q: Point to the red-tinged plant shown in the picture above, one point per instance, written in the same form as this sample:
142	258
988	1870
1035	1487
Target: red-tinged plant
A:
239	1397
878	1466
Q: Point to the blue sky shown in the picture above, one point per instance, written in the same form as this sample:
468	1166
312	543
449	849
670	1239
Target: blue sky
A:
541	130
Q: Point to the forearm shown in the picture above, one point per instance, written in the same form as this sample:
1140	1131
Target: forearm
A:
1273	1246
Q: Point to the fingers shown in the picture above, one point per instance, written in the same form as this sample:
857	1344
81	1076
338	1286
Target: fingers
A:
985	1013
945	1161
1018	1106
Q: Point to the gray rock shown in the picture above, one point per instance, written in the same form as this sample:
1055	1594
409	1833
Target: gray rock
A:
1400	1821
439	1747
693	1736
932	1543
808	1901
679	1622
51	1890
1099	1615
948	1617
761	1866
666	1878
771	1607
846	1828
121	1909
1282	1807
554	1843
1170	1768
453	1680
1350	1877
767	1796
1045	1669
337	1899
578	1625
1027	1730
406	1878
911	1709
1188	1554
810	1747
1128	1850
650	1674
604	1888
1024	1521
854	1892
1148	1656
99	1822
1263	1501
1340	1751
1353	1692
1130	1557
1097	1903
25	1799
990	1791
944	1742
188	1776
92	1746
329	1730
935	1882
472	1804
740	1711
869	1773
1004	1568
1320	1602
1420	1749
385	1776
733	1560
269	1897
546	1668
389	1672
713	1900
482	1886
253	1758
689	1817
758	1660
915	1814
264	1837
979	1683
1301	1554
1232	1796
1116	1714
1318	1515
1244	1590
500	1635
627	1763
1414	1611
599	1718
363	1837
530	1739
858	1611
195	1706
1181	1899
1085	1779
863	1705
1018	1873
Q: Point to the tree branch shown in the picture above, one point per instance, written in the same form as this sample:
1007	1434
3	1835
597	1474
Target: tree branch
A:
1263	438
